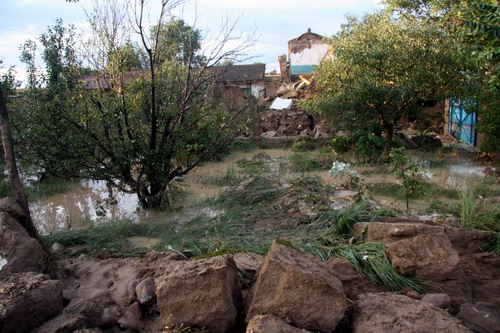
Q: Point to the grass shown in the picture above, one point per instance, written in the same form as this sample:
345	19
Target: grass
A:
303	162
106	240
475	213
39	189
229	178
243	145
428	191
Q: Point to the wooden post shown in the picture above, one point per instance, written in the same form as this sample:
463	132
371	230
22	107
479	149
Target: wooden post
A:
10	162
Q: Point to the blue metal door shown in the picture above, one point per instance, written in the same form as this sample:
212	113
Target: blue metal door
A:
462	123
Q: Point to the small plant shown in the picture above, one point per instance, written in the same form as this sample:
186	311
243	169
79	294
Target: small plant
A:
342	144
341	169
407	172
303	143
468	207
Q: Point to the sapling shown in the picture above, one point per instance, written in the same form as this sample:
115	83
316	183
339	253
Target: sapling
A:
407	172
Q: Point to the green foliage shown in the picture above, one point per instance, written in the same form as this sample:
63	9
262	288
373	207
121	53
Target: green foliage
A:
382	71
475	213
138	130
304	162
8	80
342	144
340	222
106	240
406	172
475	27
303	143
371	260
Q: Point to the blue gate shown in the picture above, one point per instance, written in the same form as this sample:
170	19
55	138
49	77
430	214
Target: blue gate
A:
462	124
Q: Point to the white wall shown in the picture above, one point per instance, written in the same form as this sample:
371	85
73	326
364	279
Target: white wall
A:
309	56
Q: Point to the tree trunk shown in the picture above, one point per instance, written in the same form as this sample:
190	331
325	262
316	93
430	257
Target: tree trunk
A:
10	162
389	136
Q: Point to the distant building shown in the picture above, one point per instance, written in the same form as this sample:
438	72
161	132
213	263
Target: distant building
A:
248	78
304	54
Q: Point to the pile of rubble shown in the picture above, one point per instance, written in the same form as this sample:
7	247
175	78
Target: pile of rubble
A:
287	290
286	118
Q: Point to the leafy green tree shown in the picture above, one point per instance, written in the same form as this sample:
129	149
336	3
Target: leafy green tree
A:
382	71
141	130
475	24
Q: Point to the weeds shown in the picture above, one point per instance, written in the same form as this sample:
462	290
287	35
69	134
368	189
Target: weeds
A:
105	240
475	213
303	162
229	178
340	222
371	260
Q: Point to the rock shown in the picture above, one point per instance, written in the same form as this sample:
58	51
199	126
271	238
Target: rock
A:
297	288
57	248
12	208
442	301
132	295
145	291
156	263
27	300
480	317
248	261
201	294
483	278
132	318
388	312
463	240
65	323
270	324
354	283
425	256
21	252
109	317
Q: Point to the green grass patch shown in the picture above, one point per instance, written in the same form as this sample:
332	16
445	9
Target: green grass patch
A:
304	162
243	145
106	240
228	178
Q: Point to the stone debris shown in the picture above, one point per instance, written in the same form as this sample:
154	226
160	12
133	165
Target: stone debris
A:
202	293
271	324
297	288
388	312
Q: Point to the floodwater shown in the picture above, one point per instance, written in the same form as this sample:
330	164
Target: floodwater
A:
89	202
94	202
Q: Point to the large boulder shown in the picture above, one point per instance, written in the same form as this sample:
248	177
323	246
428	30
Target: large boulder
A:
18	251
297	288
428	256
463	240
388	312
270	324
200	294
27	300
480	317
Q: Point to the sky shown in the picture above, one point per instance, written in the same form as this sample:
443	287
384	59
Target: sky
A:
272	22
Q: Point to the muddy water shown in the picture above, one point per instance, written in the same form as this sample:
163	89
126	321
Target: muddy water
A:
93	202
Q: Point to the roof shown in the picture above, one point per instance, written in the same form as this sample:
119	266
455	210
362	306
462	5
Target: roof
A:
306	37
94	81
238	73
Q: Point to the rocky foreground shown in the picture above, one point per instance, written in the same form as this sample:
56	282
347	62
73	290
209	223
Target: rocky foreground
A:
284	291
